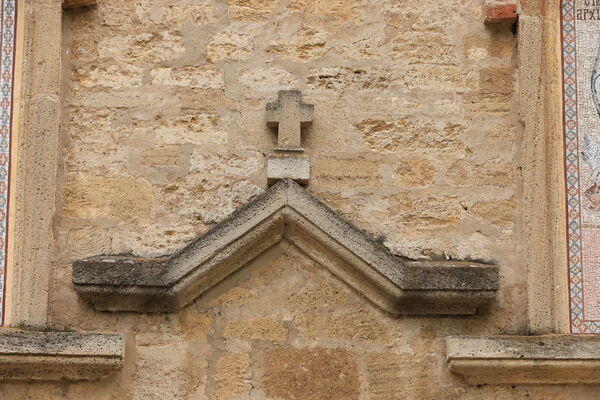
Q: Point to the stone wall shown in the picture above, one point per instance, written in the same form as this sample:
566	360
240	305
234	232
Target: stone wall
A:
415	140
413	137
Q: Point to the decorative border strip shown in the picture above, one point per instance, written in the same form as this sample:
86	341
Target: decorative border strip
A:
579	325
7	73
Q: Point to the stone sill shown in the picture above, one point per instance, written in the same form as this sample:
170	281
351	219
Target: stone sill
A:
46	356
550	359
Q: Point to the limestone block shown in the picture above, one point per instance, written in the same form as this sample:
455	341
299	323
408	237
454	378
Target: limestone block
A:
496	80
477	47
232	376
26	355
312	374
361	78
491	172
229	46
309	44
189	77
175	14
250	10
551	359
124	198
288	165
180	371
345	172
398	135
256	329
268	80
333	10
414	171
141	47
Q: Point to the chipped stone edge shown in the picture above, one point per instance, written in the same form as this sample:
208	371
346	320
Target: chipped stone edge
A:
50	356
544	359
286	211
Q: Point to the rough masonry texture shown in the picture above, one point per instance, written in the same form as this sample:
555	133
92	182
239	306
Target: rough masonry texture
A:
418	139
286	212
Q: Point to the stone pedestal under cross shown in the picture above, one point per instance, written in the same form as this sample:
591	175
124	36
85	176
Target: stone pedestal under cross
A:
289	115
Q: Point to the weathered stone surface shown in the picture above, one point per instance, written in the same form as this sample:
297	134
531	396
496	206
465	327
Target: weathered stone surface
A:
403	134
491	173
336	10
478	47
360	78
188	77
308	44
335	171
33	195
425	48
141	47
124	198
181	376
229	46
286	210
253	10
232	376
414	172
288	166
289	115
129	111
496	80
28	355
175	15
67	4
256	329
498	212
268	80
427	211
551	359
312	374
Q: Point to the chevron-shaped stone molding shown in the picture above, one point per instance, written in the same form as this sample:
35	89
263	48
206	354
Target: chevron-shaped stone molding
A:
46	356
286	212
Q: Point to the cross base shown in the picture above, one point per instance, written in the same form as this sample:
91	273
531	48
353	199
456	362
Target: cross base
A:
288	165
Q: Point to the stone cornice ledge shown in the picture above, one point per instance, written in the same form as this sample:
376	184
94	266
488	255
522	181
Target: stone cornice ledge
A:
27	355
548	359
286	212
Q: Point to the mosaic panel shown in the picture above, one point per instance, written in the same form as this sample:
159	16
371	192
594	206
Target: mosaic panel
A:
7	58
581	91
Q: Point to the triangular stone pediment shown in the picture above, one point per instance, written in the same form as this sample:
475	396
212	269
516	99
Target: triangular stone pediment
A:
285	212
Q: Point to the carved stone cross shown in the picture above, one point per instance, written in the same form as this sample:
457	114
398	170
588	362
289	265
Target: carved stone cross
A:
290	114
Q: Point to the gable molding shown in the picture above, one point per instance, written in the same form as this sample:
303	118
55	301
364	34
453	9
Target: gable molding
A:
286	212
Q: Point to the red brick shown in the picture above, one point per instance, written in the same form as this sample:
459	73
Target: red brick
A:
500	13
78	3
